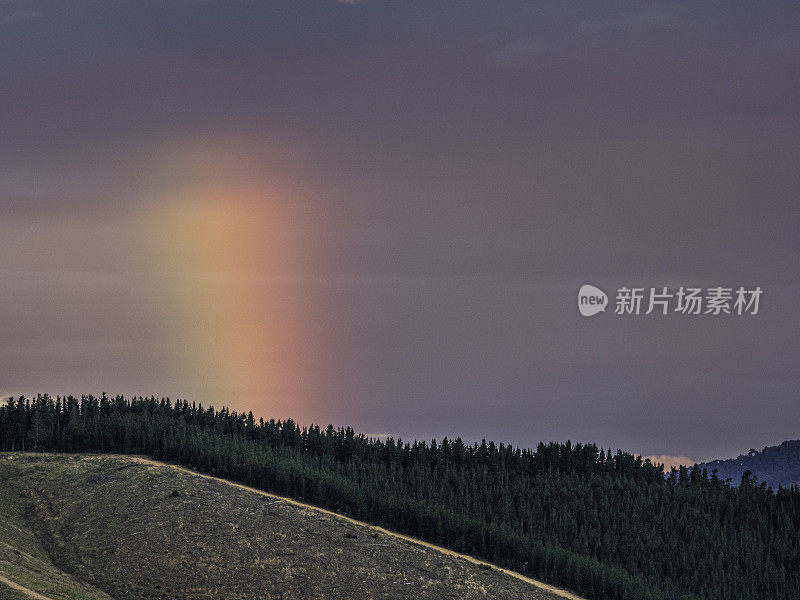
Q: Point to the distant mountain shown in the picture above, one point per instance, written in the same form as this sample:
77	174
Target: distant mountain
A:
777	465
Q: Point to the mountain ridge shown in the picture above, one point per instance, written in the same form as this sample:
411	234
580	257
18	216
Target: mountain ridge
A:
774	465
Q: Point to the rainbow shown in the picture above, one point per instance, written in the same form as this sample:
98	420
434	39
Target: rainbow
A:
230	248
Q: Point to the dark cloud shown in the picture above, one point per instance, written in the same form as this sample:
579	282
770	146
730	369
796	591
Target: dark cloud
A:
20	15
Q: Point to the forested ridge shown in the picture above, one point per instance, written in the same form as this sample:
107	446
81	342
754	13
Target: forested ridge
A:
776	465
606	525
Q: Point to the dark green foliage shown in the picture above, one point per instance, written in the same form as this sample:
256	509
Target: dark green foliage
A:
608	526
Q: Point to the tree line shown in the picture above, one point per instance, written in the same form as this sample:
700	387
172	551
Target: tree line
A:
609	526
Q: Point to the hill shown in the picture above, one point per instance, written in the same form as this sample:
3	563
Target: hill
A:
605	525
774	465
139	529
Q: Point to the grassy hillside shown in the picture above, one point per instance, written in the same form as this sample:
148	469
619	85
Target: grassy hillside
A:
142	530
606	525
23	558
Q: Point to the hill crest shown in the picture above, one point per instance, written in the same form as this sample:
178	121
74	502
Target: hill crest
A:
776	465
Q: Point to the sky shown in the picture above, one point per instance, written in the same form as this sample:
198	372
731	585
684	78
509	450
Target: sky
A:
379	214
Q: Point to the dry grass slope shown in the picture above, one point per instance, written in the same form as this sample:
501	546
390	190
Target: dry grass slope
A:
138	529
24	562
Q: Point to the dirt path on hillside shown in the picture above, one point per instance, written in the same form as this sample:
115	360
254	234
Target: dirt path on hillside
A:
24	590
541	585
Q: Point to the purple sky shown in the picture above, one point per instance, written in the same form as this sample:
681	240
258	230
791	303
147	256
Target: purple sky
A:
428	185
